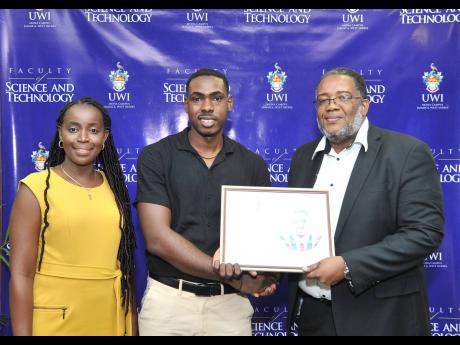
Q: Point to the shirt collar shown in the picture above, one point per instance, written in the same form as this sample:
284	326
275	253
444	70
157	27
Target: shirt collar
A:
361	138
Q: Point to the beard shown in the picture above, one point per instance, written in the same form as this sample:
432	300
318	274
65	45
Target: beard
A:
345	133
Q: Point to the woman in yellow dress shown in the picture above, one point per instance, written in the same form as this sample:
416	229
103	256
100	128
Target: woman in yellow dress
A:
72	237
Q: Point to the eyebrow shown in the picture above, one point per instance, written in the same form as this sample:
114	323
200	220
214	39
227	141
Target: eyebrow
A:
215	93
338	92
73	123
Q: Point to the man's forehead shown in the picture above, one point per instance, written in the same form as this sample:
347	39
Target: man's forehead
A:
207	84
207	79
342	81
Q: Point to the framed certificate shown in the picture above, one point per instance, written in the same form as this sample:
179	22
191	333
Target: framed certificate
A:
274	229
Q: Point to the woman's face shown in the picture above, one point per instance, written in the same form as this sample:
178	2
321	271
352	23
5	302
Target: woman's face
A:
82	134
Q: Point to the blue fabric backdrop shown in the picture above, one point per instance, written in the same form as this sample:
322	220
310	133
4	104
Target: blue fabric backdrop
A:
409	59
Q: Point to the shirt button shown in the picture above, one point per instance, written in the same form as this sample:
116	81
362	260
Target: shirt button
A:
332	185
338	158
209	197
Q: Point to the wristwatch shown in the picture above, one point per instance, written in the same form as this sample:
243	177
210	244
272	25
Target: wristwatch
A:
346	271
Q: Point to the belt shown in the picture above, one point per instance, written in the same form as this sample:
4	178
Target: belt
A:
321	299
199	289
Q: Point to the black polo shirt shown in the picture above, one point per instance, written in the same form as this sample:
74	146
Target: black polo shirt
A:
172	174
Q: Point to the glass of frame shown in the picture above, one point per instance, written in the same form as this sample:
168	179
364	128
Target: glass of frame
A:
274	229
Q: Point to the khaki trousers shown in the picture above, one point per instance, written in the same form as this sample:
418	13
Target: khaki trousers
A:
170	311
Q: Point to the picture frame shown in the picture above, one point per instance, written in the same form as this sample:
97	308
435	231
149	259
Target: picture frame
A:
275	228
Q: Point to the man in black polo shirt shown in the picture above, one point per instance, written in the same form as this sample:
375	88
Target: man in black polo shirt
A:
178	201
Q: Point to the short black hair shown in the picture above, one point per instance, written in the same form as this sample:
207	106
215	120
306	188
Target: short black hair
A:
360	83
208	72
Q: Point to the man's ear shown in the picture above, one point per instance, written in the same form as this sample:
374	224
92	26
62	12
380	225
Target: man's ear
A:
185	103
230	103
365	106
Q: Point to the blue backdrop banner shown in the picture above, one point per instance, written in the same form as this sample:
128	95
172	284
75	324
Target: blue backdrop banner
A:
136	63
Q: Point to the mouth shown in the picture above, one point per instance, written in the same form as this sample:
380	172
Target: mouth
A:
82	151
331	120
207	121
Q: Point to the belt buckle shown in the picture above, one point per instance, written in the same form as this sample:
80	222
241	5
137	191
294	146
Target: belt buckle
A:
212	289
203	290
215	289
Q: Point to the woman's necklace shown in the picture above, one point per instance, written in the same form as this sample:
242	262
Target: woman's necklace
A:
90	196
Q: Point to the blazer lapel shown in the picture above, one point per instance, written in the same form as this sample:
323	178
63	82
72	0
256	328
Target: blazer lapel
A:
310	178
361	170
315	166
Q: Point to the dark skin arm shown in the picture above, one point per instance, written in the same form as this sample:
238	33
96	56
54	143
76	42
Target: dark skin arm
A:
135	323
164	242
25	224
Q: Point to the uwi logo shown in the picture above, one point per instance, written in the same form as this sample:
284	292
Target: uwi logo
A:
432	79
39	15
119	78
352	17
197	16
277	79
39	157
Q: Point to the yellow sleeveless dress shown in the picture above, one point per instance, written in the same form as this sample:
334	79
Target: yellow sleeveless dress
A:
78	289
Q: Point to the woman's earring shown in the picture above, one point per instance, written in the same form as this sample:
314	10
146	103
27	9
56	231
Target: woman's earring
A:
61	143
103	146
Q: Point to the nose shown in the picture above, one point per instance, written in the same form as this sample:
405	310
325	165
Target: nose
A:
83	136
331	104
207	105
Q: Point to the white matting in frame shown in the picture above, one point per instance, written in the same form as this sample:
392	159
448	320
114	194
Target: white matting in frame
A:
274	229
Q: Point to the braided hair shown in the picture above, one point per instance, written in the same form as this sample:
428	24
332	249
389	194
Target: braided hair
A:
107	161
